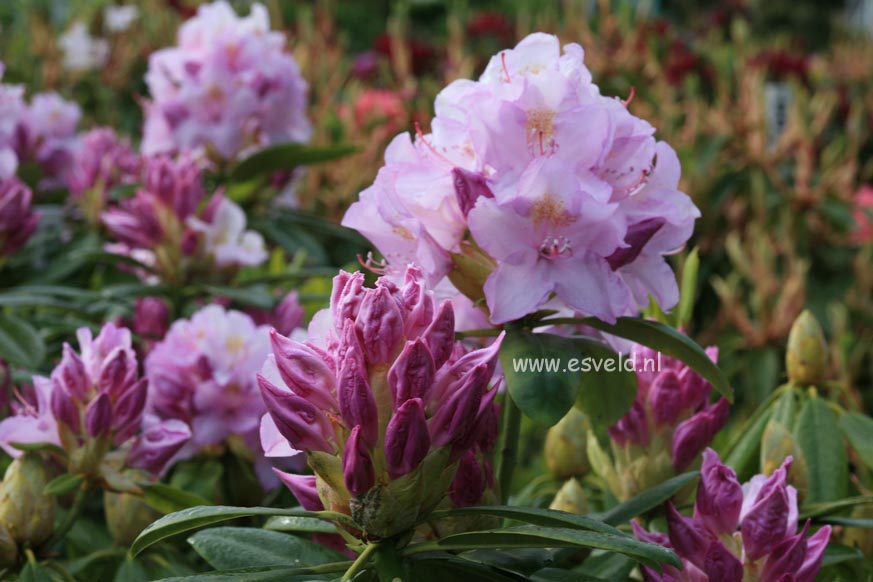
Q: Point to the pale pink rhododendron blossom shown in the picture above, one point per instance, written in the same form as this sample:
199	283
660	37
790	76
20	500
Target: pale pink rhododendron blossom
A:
93	396
568	194
229	87
204	373
738	533
392	413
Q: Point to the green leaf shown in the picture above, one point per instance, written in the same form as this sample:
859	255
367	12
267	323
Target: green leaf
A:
255	295
648	499
858	430
266	574
533	516
819	437
838	553
544	395
743	454
34	572
20	343
299	524
688	289
227	548
530	536
286	157
558	575
167	499
664	339
856	522
831	507
131	571
63	484
605	393
441	568
197	517
39	447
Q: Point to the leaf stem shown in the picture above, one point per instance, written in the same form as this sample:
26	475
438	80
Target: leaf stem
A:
388	565
70	518
360	562
510	428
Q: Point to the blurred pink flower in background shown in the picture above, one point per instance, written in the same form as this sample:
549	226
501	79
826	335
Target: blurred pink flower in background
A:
862	212
18	220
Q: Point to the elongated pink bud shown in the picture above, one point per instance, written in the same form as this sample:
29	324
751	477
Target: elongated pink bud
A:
71	374
632	428
299	421
412	373
304	489
117	373
665	397
380	324
416	302
689	538
356	403
815	548
304	371
636	238
98	416
786	558
469	483
357	466
151	317
157	445
440	334
406	438
719	496
128	411
765	523
721	565
454	418
692	435
64	409
345	299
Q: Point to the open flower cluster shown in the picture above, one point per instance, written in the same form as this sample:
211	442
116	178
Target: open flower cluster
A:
228	87
535	183
42	132
669	424
382	400
767	547
91	404
164	226
18	220
204	374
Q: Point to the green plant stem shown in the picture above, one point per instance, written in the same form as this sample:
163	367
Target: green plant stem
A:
70	518
510	428
360	562
388	565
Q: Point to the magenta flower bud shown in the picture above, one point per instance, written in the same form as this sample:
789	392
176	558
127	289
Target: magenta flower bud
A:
412	373
455	417
303	424
128	411
64	409
440	334
356	403
289	314
721	565
469	187
692	435
380	324
637	236
98	416
488	422
157	445
719	496
71	374
304	371
345	299
117	373
17	220
665	397
689	538
304	489
786	558
406	438
357	466
469	483
815	548
632	428
764	525
151	317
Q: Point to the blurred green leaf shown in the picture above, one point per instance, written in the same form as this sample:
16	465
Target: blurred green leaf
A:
63	484
299	524
858	430
648	499
818	435
20	343
226	548
605	395
167	499
286	157
533	516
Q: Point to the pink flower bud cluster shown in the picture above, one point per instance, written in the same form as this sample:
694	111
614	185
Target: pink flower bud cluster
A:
204	374
567	193
672	404
227	88
93	401
17	218
767	547
101	161
381	396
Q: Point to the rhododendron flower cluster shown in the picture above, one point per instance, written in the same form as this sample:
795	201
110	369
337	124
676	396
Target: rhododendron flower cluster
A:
204	373
384	403
767	547
91	404
669	424
101	161
546	187
229	87
18	220
164	226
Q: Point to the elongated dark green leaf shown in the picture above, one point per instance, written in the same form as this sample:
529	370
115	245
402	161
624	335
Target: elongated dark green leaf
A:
646	500
831	507
607	388
34	572
534	516
858	430
529	536
256	295
742	455
856	522
819	437
299	524
838	553
63	484
167	499
20	343
131	571
558	575
197	517
533	367
266	574
666	340
226	548
688	289
443	567
286	157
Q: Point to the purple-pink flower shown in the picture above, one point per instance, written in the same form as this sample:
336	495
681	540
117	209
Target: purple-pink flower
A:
566	194
768	547
228	88
101	161
381	397
18	220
